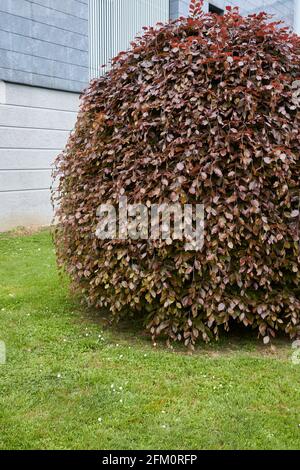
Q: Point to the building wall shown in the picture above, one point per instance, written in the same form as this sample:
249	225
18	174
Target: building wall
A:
282	9
34	127
297	17
44	65
115	23
44	43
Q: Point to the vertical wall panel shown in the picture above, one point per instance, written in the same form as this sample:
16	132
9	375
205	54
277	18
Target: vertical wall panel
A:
297	17
114	23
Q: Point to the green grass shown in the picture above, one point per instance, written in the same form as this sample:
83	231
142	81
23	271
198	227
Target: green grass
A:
61	377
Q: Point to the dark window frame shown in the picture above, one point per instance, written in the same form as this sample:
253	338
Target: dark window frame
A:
213	9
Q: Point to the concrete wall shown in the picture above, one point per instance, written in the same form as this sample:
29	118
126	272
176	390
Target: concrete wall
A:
44	43
34	127
282	9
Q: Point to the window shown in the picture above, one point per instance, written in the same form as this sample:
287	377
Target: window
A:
213	9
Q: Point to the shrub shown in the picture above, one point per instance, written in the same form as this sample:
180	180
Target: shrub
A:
203	109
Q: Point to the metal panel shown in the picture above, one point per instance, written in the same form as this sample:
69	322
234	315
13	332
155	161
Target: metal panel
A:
44	43
34	127
25	208
36	118
26	159
27	180
113	24
33	97
17	138
297	17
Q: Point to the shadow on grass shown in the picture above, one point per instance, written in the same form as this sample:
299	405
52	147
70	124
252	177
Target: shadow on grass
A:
238	339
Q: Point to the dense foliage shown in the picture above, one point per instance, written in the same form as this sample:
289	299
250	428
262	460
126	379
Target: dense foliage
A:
202	109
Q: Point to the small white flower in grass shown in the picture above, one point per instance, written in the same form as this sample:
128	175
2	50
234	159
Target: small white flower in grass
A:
59	376
145	355
121	401
163	411
112	386
164	426
117	345
121	356
120	388
99	420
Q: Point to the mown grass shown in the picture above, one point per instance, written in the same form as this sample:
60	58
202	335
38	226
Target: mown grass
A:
70	382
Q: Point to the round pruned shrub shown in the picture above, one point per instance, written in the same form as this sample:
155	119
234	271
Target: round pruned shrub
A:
202	110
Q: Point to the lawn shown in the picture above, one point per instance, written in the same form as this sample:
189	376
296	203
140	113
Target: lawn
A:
72	382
